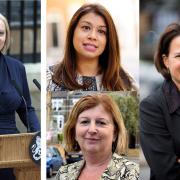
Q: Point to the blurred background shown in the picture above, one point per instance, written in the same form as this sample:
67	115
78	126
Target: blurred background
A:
24	18
155	15
126	18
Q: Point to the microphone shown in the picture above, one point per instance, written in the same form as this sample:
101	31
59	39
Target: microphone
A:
21	95
37	84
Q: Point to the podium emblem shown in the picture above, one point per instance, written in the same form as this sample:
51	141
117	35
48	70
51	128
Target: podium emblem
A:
35	148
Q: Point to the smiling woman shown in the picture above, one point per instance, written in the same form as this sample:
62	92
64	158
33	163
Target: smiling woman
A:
95	127
4	35
14	94
160	111
92	55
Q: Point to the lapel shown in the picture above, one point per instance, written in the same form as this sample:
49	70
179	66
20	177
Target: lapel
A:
9	67
109	173
75	170
112	168
172	96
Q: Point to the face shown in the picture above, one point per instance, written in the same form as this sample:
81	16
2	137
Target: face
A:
89	38
2	34
172	62
95	131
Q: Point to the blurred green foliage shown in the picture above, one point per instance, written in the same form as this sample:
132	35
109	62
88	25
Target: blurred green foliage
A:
128	104
60	137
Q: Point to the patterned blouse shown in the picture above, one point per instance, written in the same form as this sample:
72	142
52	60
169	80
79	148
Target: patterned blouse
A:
118	168
95	81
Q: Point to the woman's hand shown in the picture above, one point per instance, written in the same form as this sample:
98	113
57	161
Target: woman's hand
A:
178	160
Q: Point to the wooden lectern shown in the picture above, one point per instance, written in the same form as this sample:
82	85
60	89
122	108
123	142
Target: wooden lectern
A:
14	153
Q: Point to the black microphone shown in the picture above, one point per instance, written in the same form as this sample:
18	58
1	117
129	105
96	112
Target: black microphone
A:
21	95
37	84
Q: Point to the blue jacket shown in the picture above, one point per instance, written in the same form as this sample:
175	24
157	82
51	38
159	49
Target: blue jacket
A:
11	99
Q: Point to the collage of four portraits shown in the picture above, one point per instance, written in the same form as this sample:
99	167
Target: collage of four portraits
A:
89	90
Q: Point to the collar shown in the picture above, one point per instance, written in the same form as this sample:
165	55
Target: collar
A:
108	172
8	64
117	167
4	74
96	81
172	95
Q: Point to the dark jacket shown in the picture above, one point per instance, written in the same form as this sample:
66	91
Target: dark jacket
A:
11	100
160	131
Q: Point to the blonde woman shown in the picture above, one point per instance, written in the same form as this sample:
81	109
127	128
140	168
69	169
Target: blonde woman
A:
14	93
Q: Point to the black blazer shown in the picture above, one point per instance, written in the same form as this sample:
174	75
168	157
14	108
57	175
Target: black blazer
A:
160	132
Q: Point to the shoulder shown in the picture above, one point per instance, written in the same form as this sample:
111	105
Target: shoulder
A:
122	162
122	168
155	98
51	84
70	170
72	166
49	73
13	62
153	112
52	68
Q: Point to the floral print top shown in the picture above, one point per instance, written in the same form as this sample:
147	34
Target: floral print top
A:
95	81
118	168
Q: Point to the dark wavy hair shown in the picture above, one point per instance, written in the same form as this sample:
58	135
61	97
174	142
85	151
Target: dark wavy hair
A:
114	77
171	31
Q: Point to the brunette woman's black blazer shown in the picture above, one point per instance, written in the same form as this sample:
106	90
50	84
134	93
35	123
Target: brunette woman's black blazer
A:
160	132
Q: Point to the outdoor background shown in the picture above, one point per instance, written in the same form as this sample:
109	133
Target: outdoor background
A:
24	18
155	15
126	18
61	103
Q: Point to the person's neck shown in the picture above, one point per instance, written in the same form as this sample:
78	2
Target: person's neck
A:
94	161
88	67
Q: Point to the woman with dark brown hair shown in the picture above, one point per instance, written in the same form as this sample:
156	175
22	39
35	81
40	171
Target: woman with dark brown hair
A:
92	54
160	112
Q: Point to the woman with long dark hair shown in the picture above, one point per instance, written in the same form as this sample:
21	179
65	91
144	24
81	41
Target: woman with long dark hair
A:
92	55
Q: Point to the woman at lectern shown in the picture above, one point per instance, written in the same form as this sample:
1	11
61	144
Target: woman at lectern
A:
14	94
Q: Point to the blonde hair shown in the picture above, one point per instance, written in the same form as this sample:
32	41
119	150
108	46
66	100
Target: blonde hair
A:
88	102
7	41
